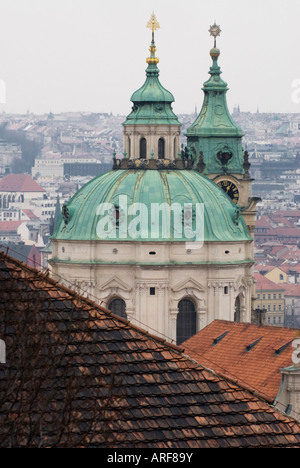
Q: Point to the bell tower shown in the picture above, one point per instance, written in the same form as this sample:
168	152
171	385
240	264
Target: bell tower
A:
152	130
214	141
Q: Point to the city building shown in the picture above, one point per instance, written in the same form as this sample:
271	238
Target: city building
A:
155	239
259	356
91	379
19	188
269	300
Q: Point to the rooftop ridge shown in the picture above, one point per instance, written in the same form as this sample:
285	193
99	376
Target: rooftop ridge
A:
91	303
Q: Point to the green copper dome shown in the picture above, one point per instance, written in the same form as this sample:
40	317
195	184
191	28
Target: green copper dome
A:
83	214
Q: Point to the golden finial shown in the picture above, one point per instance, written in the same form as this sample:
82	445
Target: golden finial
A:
153	24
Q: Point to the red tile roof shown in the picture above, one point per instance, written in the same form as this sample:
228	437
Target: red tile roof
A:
30	214
291	289
143	391
264	284
9	226
19	183
223	347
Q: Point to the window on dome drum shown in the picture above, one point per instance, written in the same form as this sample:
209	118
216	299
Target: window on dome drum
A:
118	307
143	148
186	321
161	148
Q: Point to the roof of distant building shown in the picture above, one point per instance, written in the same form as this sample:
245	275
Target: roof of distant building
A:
164	399
10	226
19	183
264	284
291	289
248	353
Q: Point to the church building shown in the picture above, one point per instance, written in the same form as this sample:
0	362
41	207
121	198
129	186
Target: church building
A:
164	239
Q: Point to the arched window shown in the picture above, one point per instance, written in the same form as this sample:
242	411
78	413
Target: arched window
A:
143	148
237	310
186	321
161	148
129	147
118	307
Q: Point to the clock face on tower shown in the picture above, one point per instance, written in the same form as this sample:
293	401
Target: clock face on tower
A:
230	188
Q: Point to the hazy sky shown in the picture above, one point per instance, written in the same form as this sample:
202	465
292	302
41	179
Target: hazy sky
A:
90	55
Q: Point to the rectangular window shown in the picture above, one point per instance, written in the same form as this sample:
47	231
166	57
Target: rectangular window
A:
152	291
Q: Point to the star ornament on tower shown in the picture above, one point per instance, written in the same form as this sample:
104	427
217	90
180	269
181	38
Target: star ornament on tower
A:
215	31
153	24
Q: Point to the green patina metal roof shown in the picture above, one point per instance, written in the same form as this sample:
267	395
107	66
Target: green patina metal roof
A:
214	118
214	132
222	220
152	102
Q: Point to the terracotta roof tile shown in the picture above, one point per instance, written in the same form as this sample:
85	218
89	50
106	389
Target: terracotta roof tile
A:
263	283
259	368
19	183
144	392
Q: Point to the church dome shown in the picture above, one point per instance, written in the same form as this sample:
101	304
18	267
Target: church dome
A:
176	188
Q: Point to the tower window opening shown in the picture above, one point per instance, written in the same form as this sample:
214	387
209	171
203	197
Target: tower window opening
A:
152	292
226	290
118	307
143	148
161	148
186	321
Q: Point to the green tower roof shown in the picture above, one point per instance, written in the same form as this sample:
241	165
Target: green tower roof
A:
214	119
81	216
152	102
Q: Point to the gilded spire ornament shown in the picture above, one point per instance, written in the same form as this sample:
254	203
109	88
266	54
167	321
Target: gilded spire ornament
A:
153	24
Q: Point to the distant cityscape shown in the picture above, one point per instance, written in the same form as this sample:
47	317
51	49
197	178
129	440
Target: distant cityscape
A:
45	160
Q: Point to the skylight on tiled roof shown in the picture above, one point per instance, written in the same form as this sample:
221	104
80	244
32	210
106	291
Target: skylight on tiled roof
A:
219	338
252	345
282	348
